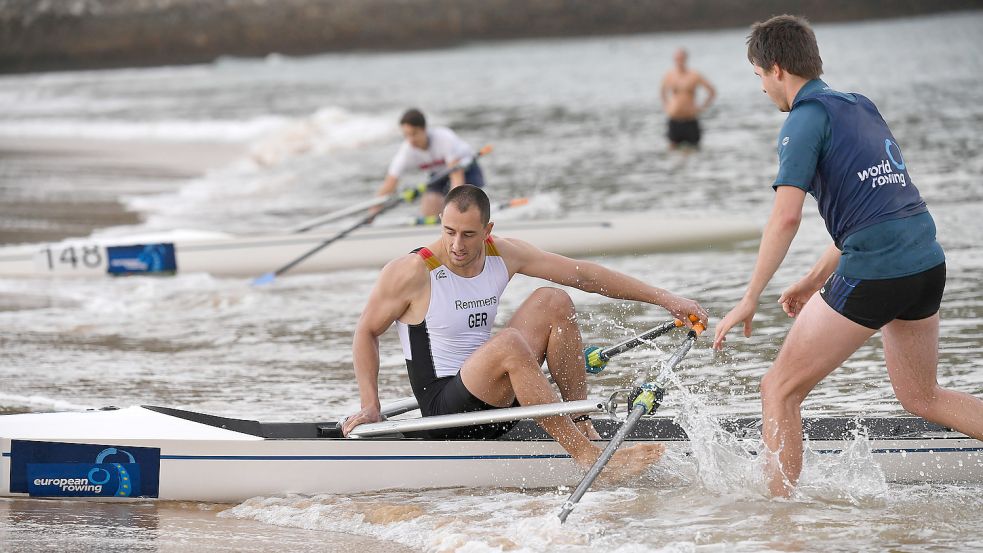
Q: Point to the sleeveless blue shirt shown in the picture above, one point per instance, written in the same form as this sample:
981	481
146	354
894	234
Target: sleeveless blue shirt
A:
871	208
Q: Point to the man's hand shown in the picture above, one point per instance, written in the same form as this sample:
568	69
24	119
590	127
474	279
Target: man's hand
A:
681	308
365	416
794	297
742	312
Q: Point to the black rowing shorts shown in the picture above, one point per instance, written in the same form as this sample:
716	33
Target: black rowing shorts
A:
447	396
874	303
684	131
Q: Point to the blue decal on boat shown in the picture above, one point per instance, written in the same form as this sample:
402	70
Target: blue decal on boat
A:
141	258
57	469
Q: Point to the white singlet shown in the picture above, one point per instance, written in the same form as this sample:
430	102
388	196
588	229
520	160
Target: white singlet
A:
459	319
444	145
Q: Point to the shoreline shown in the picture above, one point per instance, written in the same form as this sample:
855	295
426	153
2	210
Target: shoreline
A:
94	34
62	187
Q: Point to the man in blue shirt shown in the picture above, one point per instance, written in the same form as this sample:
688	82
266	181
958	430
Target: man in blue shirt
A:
884	271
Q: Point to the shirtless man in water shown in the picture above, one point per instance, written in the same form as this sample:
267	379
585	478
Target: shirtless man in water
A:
679	87
443	299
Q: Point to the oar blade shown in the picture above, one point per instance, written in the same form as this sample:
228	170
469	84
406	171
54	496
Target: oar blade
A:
264	280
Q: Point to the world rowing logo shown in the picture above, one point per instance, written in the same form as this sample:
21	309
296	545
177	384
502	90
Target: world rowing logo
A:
884	172
890	155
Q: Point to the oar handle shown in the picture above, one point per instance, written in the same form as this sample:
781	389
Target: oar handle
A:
596	358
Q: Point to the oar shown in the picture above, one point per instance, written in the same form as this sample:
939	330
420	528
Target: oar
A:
595	358
430	220
412	192
645	400
345	212
391	202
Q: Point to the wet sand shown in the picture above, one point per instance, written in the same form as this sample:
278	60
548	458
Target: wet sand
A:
81	180
52	525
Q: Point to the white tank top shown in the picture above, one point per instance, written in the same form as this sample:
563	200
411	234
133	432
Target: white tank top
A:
460	316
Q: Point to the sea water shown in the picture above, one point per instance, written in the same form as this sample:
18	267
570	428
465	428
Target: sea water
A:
576	126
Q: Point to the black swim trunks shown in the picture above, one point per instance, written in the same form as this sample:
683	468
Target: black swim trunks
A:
684	132
446	396
874	303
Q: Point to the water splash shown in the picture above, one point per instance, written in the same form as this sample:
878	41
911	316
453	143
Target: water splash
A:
726	463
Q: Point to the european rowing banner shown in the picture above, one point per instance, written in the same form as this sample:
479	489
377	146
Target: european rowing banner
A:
56	469
143	258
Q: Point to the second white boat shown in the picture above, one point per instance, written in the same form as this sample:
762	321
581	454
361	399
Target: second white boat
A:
588	236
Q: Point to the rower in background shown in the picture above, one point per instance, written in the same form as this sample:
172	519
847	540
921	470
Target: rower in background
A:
679	89
431	150
444	298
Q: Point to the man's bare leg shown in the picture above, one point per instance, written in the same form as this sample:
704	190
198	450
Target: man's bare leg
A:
819	341
911	352
504	368
548	322
431	204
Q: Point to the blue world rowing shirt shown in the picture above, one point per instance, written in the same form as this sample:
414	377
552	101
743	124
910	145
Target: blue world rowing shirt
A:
838	148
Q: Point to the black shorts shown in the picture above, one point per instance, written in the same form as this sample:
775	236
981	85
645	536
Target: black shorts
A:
447	396
874	303
473	175
684	132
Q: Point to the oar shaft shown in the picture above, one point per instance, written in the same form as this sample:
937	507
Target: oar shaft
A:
325	244
595	470
662	379
339	214
413	192
645	400
631	343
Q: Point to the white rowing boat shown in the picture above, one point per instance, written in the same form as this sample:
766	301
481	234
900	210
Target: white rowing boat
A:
170	454
370	247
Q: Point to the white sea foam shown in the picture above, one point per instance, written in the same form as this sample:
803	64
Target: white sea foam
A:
232	131
38	401
325	130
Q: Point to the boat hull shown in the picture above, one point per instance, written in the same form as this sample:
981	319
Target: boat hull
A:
179	455
593	235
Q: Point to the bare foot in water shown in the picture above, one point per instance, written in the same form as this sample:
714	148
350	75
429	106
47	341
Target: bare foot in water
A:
629	462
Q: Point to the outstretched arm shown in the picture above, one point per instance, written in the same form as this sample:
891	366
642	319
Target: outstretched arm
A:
711	93
794	297
783	223
664	91
389	300
388	186
524	258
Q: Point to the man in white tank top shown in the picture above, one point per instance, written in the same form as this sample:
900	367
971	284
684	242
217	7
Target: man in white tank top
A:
431	150
444	299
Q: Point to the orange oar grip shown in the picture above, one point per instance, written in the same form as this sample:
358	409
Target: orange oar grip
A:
697	325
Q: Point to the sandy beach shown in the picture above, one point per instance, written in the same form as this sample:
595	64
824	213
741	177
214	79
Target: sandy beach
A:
81	180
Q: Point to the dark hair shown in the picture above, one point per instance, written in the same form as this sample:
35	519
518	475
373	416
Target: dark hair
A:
788	41
414	118
465	196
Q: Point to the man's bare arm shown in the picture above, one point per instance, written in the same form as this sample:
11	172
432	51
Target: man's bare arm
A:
664	90
591	277
389	300
711	93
